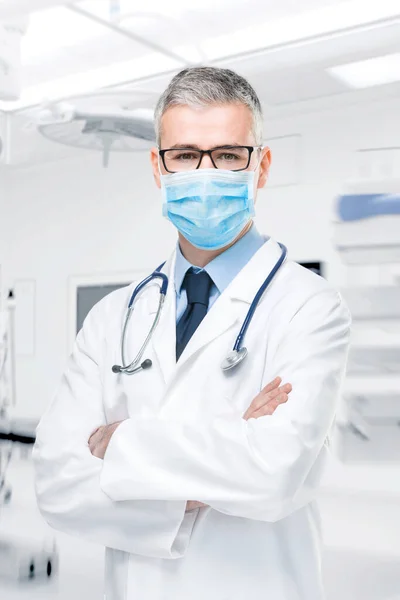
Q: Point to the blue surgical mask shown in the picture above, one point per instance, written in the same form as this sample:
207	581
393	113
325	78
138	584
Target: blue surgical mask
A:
210	207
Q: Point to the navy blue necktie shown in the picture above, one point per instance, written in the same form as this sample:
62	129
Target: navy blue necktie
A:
198	286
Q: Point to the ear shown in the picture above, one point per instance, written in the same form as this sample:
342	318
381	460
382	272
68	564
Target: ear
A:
154	164
264	167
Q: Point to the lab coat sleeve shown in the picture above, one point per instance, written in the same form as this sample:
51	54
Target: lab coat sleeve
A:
261	469
67	475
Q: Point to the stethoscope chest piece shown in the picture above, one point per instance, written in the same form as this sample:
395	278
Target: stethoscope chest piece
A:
233	359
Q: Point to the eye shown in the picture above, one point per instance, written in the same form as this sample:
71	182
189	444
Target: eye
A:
185	156
228	157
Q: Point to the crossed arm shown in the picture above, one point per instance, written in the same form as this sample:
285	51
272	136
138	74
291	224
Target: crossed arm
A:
136	500
265	403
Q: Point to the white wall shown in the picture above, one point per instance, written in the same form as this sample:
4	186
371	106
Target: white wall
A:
73	218
3	222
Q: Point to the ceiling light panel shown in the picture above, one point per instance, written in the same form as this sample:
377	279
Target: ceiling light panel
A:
294	27
254	9
95	79
203	19
14	8
380	70
61	45
65	52
55	29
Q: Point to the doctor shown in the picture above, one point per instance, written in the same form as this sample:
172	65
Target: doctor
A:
200	482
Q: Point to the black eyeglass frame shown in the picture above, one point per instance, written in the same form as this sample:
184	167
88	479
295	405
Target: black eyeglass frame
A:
250	149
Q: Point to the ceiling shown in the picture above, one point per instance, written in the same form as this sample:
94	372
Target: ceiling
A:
284	48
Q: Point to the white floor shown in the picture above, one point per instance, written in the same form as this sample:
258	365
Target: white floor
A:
80	562
361	560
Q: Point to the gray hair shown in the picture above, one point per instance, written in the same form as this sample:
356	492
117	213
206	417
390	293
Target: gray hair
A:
202	86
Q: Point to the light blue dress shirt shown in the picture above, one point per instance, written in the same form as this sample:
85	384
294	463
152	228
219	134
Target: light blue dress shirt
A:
222	270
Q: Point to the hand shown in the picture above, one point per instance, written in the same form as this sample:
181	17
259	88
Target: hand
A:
192	505
266	402
100	438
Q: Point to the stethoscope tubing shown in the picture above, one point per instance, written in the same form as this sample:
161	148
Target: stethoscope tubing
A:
239	340
156	274
133	367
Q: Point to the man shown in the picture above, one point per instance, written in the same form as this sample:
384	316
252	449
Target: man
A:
202	482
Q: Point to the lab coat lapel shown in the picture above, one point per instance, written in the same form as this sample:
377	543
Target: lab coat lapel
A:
163	340
228	311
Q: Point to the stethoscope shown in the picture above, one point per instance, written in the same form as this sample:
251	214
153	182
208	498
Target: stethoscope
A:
233	358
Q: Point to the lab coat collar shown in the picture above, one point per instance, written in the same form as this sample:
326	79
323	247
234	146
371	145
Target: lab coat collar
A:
248	281
224	313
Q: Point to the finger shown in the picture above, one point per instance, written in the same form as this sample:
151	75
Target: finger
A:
94	439
193	504
247	414
271	407
268	408
281	399
94	433
272	385
275	392
262	399
287	388
93	444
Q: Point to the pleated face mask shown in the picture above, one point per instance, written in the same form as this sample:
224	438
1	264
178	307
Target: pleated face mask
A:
210	207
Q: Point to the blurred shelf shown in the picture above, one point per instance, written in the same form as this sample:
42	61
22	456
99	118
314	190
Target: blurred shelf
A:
361	384
374	240
369	441
376	360
381	479
365	447
373	302
376	405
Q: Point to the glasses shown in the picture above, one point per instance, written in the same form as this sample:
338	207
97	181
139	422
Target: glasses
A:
231	158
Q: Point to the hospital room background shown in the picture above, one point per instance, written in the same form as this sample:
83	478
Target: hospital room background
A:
77	87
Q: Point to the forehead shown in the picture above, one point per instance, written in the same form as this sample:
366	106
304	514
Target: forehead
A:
208	126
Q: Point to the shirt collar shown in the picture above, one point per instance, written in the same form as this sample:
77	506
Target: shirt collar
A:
181	267
224	268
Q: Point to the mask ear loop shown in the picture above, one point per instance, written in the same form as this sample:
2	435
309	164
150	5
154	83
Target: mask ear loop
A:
159	161
260	148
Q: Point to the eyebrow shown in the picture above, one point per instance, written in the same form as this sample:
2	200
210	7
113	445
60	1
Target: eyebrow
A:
196	147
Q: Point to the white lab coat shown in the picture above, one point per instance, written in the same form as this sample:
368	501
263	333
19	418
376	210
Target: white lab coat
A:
184	438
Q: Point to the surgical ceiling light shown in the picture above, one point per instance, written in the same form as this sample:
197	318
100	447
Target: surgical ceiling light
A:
105	121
